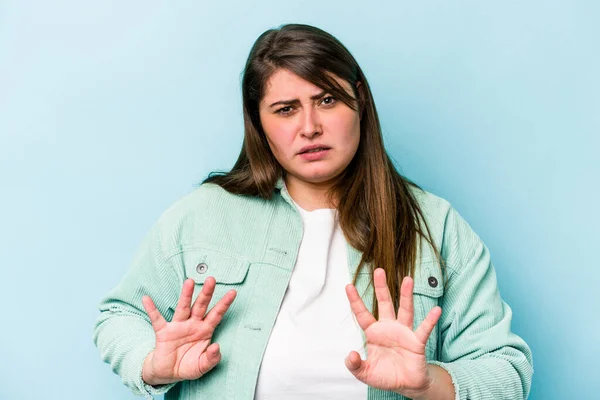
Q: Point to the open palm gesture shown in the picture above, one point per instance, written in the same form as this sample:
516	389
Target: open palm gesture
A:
183	346
395	353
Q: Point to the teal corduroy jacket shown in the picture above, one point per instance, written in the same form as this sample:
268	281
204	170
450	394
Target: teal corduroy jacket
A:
250	244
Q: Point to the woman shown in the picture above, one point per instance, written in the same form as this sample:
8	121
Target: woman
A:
313	226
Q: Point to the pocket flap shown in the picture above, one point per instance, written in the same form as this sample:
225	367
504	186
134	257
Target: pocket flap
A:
428	279
202	263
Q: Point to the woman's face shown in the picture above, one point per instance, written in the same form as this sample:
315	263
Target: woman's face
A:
296	115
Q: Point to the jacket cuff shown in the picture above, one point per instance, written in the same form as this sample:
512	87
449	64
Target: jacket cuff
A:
487	378
139	355
455	381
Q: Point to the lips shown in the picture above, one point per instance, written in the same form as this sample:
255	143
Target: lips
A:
313	149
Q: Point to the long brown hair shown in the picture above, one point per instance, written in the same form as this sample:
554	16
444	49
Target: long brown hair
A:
378	213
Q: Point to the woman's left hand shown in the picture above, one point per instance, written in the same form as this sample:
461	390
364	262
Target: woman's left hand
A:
395	353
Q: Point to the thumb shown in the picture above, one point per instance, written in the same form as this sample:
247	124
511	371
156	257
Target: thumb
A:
356	365
208	359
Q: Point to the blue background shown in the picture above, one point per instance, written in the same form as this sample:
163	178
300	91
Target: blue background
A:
112	110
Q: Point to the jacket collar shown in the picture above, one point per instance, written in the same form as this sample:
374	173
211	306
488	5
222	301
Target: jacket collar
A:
280	184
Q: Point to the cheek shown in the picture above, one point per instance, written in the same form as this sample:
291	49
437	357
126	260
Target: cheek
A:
280	135
347	127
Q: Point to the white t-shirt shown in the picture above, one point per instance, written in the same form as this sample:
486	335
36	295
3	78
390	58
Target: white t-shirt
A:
315	329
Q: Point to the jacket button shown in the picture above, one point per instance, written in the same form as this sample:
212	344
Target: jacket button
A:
433	282
201	268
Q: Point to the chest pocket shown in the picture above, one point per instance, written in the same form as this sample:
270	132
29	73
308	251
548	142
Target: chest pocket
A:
427	293
230	272
200	263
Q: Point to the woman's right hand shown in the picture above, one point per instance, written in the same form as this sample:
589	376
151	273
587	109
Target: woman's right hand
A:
183	348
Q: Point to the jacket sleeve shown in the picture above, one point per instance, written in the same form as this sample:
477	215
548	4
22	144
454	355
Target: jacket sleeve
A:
479	351
123	332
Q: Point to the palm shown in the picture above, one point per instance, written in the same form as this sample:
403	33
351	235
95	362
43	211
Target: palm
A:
395	353
179	346
181	351
394	358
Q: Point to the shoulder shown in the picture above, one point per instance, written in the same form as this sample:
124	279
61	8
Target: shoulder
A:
434	208
206	214
194	203
454	237
210	198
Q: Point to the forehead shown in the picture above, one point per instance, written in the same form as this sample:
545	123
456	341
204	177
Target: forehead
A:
285	84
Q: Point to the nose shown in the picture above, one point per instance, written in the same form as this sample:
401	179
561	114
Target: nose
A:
311	125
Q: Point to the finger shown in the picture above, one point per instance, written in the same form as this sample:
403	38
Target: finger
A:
157	320
356	365
203	300
209	359
182	312
424	330
215	315
363	315
384	299
406	309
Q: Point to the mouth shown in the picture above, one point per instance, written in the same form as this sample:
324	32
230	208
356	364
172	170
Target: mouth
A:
315	154
314	150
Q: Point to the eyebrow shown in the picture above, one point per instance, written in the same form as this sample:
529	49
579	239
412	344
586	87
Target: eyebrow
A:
296	101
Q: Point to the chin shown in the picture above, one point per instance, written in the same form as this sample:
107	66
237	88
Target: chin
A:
317	178
316	173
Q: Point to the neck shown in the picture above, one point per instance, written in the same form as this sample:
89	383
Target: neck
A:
310	196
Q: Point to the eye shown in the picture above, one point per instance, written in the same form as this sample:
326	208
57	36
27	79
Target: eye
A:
329	100
284	110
